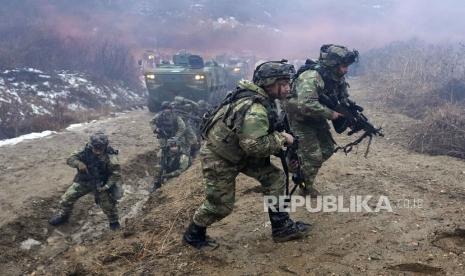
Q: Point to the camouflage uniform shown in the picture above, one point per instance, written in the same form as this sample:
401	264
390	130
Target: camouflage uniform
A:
188	111
169	125
104	170
174	163
309	117
240	138
221	165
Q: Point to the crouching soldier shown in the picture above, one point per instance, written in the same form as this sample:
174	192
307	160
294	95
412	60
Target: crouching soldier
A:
98	172
174	161
167	124
240	138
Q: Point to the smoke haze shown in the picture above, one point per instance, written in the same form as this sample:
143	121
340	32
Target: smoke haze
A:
294	28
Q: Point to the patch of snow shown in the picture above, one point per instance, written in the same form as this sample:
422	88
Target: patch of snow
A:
81	80
30	136
41	94
46	83
34	70
13	93
76	126
29	243
39	110
73	106
44	76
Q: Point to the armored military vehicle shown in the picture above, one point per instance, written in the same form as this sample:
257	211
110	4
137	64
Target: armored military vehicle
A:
237	69
186	75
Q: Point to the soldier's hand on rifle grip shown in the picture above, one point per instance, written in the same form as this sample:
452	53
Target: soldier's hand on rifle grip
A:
82	167
336	115
103	188
294	166
289	138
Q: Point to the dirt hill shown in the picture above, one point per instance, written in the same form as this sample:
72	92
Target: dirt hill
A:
423	235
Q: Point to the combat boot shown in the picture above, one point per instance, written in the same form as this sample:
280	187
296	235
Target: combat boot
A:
115	226
196	236
284	229
59	218
155	186
309	191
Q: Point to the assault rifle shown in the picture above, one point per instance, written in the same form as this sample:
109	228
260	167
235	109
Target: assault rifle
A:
353	118
290	154
196	119
95	179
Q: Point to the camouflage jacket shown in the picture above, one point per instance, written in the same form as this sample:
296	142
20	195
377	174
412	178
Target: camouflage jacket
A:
254	136
169	123
176	164
105	168
304	106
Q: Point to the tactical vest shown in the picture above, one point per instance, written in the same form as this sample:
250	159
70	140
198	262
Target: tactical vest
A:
167	123
98	168
221	126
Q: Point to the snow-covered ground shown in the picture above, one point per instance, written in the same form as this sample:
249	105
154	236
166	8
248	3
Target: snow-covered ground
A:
71	128
28	92
30	136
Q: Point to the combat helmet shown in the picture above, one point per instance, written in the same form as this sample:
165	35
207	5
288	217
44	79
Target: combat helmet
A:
335	55
173	142
269	72
98	140
165	105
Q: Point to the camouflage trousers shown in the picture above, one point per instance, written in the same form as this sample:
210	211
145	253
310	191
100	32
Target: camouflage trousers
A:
192	140
316	145
78	190
219	179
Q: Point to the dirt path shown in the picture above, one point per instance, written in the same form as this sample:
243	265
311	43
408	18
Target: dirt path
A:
422	236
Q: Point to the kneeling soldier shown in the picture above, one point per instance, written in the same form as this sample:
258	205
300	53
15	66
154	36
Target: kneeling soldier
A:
172	163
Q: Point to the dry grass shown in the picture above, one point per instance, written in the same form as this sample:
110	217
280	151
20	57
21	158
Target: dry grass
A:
426	82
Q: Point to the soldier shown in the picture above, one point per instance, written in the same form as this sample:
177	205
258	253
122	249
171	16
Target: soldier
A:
309	117
98	171
187	109
167	124
203	107
240	137
174	162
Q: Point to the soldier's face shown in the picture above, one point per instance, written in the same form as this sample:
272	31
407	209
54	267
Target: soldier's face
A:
174	149
343	69
280	89
98	151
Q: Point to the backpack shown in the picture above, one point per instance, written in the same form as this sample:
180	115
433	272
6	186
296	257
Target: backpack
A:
309	64
234	122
